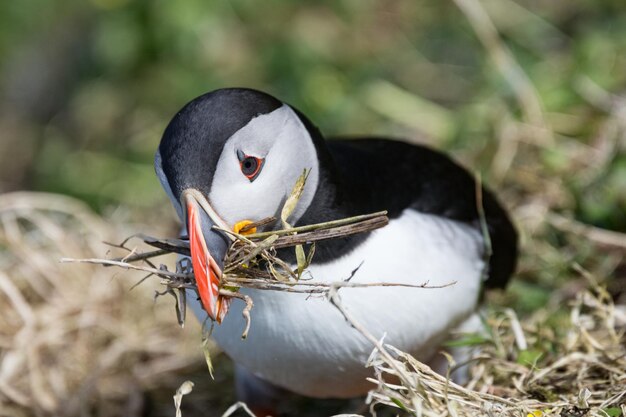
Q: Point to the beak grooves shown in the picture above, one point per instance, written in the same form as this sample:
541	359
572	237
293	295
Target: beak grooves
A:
207	272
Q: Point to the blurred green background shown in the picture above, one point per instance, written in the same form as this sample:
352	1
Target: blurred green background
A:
88	86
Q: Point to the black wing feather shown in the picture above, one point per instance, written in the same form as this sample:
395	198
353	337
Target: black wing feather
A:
381	174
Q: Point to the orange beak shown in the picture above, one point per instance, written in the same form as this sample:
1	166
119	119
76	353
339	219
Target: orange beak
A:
204	244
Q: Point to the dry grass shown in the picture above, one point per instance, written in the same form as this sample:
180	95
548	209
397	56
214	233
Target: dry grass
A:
251	262
580	372
73	338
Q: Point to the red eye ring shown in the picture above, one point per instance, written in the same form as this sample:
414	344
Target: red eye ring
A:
251	166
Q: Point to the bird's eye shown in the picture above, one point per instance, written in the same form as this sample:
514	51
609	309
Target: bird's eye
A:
251	166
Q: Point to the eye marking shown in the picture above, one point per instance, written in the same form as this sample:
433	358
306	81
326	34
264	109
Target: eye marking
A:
250	165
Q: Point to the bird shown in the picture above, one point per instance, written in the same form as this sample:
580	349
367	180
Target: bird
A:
233	155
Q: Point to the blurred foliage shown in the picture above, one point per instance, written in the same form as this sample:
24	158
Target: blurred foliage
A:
88	86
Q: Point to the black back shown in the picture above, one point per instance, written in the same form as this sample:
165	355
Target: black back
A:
380	174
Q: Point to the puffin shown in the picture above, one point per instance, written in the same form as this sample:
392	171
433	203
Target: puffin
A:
233	155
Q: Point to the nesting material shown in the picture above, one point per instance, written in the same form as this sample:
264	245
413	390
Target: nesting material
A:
250	262
579	371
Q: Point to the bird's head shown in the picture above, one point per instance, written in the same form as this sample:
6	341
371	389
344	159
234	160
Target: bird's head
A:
229	156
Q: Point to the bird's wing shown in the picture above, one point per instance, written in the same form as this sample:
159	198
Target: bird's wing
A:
380	174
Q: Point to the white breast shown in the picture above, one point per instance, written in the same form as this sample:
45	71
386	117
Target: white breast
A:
304	344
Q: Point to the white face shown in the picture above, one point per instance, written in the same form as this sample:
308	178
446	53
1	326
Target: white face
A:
283	143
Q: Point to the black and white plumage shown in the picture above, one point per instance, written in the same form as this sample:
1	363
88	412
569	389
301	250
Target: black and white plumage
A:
302	343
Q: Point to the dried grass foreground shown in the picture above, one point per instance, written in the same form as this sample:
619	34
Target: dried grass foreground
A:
72	338
581	370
